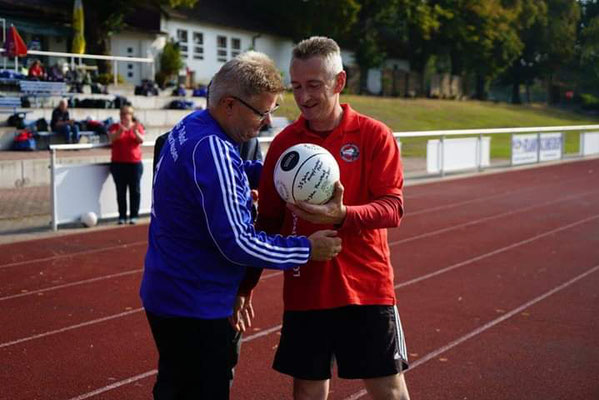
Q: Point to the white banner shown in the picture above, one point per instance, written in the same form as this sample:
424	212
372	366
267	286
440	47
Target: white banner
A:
90	187
457	154
525	149
589	143
551	146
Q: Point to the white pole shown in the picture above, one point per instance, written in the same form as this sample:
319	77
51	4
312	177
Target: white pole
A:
53	189
114	72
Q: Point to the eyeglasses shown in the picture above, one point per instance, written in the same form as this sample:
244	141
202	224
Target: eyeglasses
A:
262	115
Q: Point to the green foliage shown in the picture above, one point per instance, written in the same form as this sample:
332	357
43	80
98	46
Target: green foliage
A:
107	78
590	46
170	59
589	102
300	19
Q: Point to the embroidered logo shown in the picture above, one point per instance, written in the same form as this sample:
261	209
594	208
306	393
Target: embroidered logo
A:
350	152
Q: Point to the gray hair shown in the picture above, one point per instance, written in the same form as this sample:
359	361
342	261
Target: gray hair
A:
320	46
247	75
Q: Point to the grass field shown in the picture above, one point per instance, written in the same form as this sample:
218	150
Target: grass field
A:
424	114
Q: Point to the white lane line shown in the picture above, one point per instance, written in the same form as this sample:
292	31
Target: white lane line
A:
70	328
115	385
78	253
487	326
66	285
154	372
431	355
446	206
494	252
490	217
399	285
482	198
465	224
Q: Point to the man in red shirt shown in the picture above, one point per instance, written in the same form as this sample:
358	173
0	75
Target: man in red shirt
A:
343	309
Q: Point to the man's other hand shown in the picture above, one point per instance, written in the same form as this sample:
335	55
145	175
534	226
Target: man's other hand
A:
325	245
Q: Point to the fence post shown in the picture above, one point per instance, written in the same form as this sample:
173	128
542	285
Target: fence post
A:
114	72
442	154
53	189
538	147
480	152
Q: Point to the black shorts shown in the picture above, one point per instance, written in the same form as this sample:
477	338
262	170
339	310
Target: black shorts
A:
365	341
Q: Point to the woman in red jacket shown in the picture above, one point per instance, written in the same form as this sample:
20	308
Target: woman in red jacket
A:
126	138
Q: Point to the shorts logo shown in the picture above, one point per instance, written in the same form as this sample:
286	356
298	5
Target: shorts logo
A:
350	152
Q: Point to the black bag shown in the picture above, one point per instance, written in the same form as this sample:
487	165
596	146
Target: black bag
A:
16	120
41	125
120	101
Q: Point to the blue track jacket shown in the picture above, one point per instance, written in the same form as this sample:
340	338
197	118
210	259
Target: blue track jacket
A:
201	235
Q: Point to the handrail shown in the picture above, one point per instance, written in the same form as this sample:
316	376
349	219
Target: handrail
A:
88	56
495	130
399	135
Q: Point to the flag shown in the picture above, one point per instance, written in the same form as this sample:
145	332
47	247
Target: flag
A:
14	46
78	39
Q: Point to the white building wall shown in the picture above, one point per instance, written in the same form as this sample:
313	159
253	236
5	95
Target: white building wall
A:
135	44
279	49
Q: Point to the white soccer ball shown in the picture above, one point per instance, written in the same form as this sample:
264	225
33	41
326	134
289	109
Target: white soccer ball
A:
306	172
89	219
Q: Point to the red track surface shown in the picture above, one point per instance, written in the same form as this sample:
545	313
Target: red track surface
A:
496	278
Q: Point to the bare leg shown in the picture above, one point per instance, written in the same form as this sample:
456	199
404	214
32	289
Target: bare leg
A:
310	390
388	388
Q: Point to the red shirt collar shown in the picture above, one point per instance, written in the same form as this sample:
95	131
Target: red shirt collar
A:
349	121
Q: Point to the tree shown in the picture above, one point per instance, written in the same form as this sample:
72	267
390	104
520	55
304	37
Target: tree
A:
170	62
375	18
106	17
560	39
481	37
299	19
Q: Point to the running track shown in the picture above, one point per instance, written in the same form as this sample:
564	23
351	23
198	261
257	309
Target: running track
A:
496	277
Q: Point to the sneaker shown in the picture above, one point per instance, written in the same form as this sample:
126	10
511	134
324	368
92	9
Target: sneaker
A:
121	221
133	221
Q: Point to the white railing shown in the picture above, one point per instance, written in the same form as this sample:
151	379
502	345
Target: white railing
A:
443	135
74	56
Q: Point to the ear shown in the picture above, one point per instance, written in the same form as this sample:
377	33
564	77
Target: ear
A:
340	80
227	104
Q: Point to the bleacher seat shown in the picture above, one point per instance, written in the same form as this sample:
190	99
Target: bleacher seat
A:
42	88
9	104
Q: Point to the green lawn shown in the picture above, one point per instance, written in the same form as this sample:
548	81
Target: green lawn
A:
424	114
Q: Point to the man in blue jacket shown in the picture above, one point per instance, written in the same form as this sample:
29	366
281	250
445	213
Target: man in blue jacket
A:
201	237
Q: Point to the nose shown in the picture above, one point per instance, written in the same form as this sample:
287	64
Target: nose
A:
301	95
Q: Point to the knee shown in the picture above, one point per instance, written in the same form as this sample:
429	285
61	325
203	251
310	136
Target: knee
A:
309	390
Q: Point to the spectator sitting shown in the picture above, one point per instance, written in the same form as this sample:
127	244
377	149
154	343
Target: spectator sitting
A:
55	74
36	71
179	91
201	91
62	124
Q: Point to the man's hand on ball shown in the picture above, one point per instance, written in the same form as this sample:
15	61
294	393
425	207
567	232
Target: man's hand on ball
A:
332	212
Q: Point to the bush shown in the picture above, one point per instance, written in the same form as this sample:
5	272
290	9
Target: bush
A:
589	102
108	78
170	62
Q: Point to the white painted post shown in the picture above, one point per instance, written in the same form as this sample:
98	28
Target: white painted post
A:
114	72
441	155
53	198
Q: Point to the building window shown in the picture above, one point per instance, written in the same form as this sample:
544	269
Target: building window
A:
235	47
182	40
221	48
198	45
